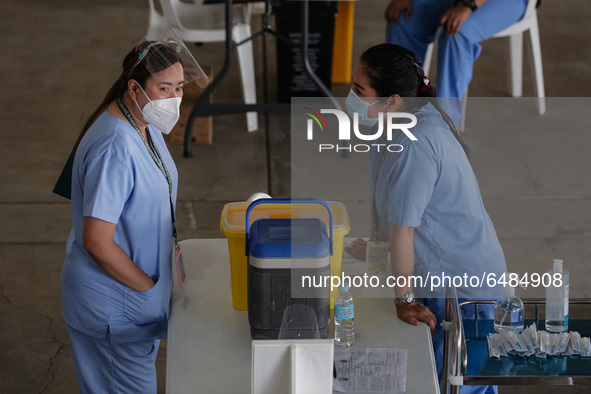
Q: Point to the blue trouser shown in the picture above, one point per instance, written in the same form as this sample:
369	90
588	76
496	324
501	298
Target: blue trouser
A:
456	54
106	367
437	306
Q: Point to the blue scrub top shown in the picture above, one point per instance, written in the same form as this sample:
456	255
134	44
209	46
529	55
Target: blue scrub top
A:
116	180
431	186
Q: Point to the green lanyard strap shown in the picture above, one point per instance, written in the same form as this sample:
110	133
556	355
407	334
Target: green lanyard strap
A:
376	217
151	147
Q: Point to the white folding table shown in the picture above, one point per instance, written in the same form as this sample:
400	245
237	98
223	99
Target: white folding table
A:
209	344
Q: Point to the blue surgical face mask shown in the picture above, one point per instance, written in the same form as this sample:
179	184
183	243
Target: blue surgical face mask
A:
355	104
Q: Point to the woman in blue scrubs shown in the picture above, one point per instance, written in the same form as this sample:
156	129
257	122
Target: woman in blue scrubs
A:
426	200
466	23
116	278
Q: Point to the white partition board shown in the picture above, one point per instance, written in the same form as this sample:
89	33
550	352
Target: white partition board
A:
292	366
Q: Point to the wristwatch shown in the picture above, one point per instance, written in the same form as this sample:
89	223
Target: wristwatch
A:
408	298
470	4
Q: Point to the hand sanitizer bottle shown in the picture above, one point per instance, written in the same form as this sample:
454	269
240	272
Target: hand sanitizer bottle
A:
509	312
557	298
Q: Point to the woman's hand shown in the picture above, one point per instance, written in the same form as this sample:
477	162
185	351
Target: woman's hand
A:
97	236
395	8
357	249
415	313
147	306
454	17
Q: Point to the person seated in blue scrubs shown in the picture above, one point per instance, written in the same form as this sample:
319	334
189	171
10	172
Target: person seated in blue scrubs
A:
466	23
425	198
117	275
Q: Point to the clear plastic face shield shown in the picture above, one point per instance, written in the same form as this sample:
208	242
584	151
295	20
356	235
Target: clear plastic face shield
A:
157	55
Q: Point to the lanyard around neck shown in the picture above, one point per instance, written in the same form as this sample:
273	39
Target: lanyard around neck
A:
151	147
376	217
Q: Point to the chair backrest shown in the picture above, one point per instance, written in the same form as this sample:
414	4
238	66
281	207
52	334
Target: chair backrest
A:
172	9
157	23
194	22
530	8
528	21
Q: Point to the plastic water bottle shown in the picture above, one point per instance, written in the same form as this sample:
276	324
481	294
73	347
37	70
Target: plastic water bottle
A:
557	298
344	318
509	312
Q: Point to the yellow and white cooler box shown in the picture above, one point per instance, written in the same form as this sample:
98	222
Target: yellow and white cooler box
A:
233	226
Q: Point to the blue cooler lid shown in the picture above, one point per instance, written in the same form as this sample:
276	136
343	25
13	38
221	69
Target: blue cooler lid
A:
288	238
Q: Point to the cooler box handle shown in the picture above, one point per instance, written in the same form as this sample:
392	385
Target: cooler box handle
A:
287	201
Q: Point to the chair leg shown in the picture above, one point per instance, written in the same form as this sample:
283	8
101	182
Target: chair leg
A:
240	32
462	126
429	52
536	63
516	64
428	57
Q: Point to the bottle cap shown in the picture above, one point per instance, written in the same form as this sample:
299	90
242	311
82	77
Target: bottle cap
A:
509	291
256	196
557	266
511	274
344	287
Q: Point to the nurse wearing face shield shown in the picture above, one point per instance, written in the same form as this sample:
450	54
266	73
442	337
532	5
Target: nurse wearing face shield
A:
425	199
117	275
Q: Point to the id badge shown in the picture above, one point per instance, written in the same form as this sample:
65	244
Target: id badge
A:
180	268
376	255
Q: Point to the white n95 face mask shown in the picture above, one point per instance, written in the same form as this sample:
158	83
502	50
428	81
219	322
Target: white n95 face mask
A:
355	104
162	113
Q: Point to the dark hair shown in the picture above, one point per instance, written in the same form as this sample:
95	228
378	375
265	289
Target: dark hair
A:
392	69
146	58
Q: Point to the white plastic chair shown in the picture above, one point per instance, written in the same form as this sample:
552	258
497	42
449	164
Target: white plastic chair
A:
528	24
205	23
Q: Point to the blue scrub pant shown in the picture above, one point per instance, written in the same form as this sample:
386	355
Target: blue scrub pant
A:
437	306
106	367
456	54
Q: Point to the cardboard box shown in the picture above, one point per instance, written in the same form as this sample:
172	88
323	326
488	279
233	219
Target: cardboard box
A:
203	127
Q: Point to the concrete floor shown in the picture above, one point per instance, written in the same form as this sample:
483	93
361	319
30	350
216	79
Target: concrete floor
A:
59	58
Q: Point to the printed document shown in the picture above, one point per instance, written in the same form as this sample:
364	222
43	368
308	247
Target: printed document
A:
370	370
